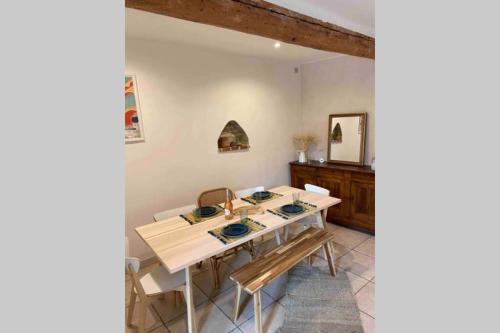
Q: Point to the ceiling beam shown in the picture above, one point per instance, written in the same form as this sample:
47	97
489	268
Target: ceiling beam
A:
262	18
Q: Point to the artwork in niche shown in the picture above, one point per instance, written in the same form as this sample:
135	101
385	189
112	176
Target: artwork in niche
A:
337	134
133	120
233	137
346	138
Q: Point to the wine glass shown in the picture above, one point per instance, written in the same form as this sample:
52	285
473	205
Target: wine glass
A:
243	214
197	214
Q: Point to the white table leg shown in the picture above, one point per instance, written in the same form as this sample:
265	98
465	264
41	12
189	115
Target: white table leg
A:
319	219
277	235
191	316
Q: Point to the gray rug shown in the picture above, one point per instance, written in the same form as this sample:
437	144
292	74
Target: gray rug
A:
317	302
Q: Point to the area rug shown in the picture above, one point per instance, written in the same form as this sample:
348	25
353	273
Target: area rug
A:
317	302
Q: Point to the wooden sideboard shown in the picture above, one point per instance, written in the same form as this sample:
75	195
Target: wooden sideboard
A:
354	185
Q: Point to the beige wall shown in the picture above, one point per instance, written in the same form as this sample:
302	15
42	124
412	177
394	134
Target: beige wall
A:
340	85
187	95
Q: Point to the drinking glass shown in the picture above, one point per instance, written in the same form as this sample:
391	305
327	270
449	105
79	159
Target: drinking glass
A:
243	214
197	215
296	197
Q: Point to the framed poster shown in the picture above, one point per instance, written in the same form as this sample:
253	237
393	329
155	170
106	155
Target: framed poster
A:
133	120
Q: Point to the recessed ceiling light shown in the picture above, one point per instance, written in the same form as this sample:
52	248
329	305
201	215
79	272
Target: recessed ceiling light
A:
277	45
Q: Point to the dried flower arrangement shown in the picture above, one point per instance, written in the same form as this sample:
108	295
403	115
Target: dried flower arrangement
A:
302	142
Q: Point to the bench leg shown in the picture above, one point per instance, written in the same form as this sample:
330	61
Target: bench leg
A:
321	220
237	302
257	310
329	254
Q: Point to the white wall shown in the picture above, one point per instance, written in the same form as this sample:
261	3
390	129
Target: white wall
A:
340	85
187	95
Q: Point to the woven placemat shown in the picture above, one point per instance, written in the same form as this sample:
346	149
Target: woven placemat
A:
254	227
253	201
307	208
189	217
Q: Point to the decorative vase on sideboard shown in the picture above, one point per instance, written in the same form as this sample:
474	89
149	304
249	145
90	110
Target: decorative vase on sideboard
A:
302	156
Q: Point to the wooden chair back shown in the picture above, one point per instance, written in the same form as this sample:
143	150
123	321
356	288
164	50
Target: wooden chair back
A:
248	191
173	212
215	196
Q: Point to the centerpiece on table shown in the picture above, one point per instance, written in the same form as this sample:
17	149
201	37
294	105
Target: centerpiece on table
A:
302	143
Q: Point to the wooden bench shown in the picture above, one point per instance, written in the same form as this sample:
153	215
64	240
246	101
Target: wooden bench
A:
265	268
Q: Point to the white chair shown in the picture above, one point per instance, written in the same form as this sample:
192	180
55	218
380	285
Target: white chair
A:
152	285
312	219
173	212
249	191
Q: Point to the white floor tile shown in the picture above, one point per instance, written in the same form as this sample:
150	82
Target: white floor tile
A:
209	319
168	309
367	247
367	322
152	319
358	264
226	302
272	318
349	238
366	299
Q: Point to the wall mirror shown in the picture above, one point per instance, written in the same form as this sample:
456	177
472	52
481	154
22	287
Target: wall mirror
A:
346	138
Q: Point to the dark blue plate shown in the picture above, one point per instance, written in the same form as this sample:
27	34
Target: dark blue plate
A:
292	209
206	211
261	195
235	230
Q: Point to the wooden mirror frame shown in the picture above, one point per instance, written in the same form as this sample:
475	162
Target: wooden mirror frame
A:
361	159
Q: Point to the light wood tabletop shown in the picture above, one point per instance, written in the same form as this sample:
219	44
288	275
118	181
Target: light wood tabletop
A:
179	244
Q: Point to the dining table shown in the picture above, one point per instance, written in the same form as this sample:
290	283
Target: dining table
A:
179	244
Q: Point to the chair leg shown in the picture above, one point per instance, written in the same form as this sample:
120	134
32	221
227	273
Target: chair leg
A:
237	302
277	235
198	265
257	310
250	247
182	297
215	272
142	317
286	233
131	306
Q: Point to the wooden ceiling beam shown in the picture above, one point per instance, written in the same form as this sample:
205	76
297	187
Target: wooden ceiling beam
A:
262	18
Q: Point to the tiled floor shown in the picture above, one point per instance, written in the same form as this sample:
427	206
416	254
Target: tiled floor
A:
354	253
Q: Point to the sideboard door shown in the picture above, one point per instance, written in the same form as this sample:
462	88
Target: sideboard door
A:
338	189
363	204
300	177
